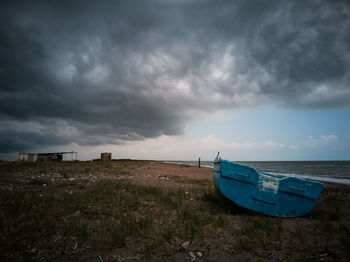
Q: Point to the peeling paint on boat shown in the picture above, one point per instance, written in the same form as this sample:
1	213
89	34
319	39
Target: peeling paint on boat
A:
268	183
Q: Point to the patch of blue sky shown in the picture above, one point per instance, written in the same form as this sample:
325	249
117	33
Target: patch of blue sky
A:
276	124
318	134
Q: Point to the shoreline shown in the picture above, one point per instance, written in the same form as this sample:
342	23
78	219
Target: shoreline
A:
340	181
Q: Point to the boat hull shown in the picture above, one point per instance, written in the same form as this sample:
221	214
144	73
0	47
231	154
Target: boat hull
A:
265	193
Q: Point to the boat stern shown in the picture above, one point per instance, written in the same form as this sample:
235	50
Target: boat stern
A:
217	173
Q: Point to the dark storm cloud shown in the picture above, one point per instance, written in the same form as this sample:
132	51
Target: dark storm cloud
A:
111	71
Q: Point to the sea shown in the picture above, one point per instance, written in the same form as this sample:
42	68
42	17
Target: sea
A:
324	171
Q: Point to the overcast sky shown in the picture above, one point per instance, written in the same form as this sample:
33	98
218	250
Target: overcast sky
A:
258	80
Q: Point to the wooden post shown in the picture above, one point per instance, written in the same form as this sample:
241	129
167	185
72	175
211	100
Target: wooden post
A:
199	162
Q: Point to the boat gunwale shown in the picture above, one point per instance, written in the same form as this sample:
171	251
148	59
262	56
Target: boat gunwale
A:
258	172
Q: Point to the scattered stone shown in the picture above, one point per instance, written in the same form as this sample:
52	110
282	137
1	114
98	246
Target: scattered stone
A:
324	255
185	244
199	254
192	256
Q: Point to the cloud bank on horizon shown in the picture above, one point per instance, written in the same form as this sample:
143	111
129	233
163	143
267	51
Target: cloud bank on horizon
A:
108	72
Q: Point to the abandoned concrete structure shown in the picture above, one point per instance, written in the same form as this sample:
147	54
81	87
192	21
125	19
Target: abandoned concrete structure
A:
27	157
43	157
106	156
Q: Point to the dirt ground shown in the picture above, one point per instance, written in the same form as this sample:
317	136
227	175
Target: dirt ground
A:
153	211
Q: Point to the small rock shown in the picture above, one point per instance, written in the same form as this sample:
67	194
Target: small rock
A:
185	244
199	254
192	256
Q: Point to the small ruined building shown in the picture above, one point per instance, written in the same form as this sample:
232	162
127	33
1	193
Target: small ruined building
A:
106	156
27	157
43	157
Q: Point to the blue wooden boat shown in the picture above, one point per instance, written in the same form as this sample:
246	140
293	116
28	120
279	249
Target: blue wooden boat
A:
265	193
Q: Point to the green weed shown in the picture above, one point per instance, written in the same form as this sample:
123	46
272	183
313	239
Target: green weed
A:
193	181
113	231
75	228
263	232
65	183
39	181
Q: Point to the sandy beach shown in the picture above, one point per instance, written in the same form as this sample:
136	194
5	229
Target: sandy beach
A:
154	211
